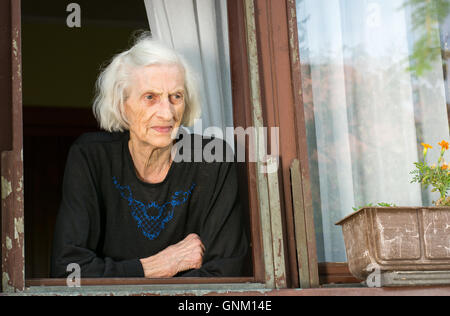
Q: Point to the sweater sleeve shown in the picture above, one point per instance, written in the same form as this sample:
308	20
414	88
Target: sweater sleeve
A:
222	230
78	226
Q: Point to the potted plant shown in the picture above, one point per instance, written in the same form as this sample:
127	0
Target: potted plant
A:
404	245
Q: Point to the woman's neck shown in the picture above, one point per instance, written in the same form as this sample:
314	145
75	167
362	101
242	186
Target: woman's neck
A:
152	164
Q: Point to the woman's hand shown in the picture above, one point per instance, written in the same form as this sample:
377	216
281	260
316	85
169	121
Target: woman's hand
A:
183	256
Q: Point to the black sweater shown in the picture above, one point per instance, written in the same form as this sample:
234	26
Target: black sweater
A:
109	218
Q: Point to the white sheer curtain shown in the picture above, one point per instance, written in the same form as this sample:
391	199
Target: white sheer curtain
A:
198	29
366	111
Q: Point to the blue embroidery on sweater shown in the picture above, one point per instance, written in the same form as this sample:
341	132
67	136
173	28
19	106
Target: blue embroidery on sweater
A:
152	226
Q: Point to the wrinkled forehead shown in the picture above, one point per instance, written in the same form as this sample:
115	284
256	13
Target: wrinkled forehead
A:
158	78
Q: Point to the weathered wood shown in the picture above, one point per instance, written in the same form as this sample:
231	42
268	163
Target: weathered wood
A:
277	228
5	77
138	281
13	271
277	107
257	120
336	273
283	108
301	142
275	273
242	113
250	290
300	226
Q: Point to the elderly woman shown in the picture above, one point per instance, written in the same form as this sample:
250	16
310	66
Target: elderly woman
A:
128	209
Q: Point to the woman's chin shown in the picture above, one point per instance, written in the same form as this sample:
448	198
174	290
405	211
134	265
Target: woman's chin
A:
160	141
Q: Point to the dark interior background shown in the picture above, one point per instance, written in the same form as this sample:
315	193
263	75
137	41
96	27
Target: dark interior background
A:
60	67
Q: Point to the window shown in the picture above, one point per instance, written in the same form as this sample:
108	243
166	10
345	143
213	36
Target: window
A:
271	87
266	265
374	80
61	62
63	50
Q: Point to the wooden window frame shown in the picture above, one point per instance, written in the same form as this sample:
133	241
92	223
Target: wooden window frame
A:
266	83
265	202
12	221
330	273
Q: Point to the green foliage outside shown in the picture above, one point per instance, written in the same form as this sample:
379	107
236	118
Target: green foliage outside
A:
427	15
436	175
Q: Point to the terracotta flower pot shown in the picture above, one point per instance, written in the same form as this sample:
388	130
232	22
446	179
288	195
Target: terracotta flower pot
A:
408	245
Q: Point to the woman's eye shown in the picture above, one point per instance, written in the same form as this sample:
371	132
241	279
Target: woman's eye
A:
151	98
176	98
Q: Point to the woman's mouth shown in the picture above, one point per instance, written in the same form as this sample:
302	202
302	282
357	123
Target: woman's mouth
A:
163	129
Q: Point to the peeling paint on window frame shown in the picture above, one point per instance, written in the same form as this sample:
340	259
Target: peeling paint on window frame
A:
13	272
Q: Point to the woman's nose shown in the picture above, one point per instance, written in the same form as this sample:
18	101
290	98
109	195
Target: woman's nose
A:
165	110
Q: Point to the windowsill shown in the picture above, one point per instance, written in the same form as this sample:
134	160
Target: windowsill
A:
127	287
247	289
138	281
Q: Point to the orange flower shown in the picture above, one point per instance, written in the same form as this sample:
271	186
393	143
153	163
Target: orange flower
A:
444	145
425	149
444	166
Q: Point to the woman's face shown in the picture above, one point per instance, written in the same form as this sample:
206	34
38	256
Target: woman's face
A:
155	104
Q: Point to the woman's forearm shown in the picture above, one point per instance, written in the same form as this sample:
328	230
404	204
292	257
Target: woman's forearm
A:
157	267
183	256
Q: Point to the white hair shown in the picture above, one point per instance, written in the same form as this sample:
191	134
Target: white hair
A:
113	83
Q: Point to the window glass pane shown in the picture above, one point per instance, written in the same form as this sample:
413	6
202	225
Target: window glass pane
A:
374	89
444	29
